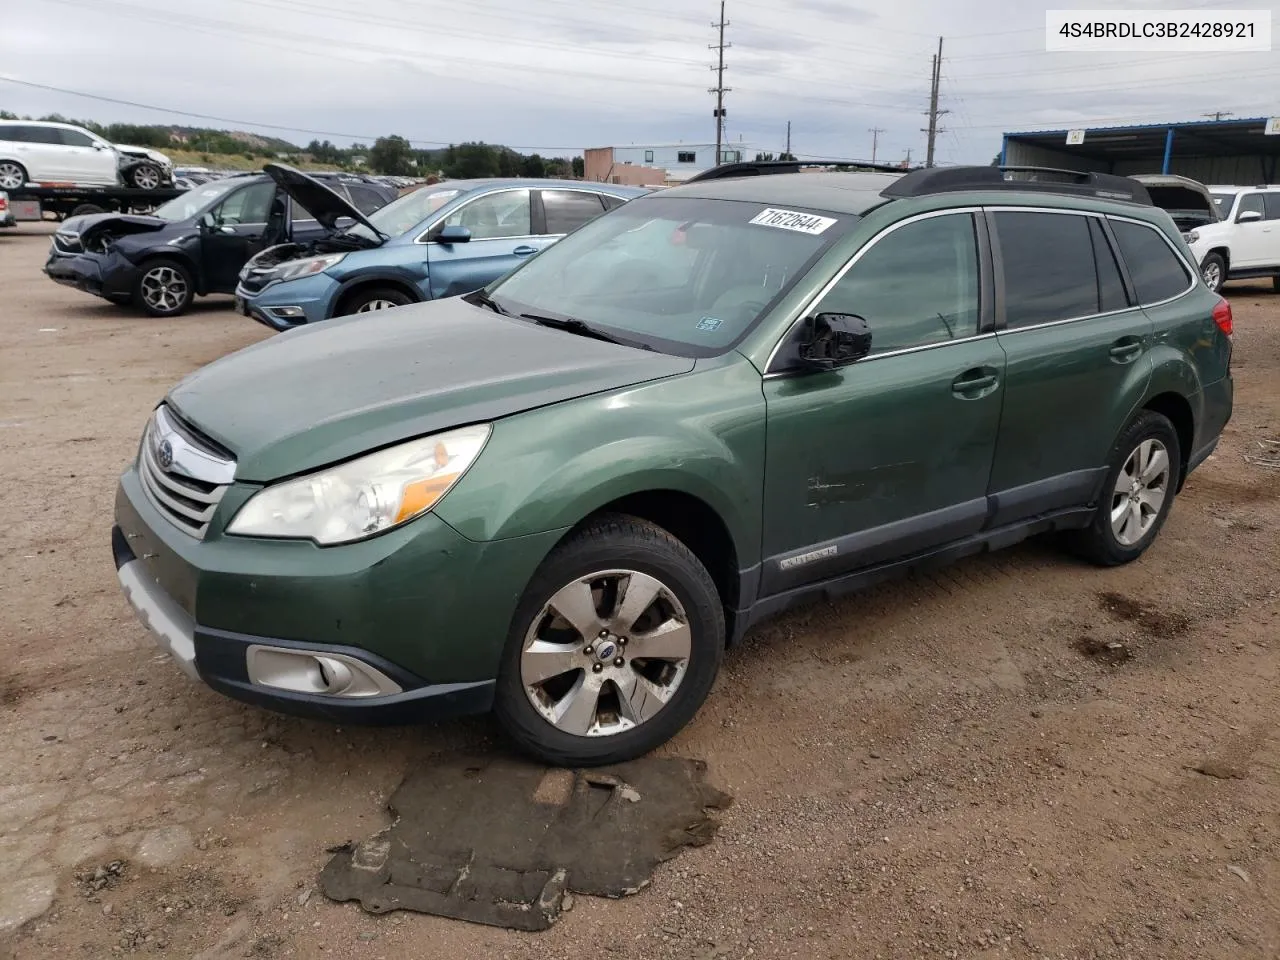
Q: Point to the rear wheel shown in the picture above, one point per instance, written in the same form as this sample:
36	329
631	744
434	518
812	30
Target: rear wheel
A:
1214	271
164	288
614	646
1146	464
368	299
85	209
13	175
1275	284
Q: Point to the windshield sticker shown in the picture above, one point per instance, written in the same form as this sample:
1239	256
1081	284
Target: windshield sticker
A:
793	220
707	324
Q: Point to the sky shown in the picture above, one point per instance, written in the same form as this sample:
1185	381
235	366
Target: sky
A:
555	76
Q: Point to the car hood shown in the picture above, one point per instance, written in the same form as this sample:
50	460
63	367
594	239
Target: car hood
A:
1182	197
118	224
318	395
155	155
314	197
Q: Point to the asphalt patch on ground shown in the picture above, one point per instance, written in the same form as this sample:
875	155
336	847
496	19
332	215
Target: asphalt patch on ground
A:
502	842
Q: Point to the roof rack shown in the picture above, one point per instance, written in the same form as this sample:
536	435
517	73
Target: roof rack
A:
1104	186
759	168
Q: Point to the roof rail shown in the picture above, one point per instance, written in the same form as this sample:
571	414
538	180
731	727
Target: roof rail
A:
759	168
1104	186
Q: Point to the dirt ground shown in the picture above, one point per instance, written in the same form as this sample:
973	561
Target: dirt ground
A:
1021	756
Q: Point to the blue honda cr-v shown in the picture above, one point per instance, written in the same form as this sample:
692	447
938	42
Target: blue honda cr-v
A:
439	241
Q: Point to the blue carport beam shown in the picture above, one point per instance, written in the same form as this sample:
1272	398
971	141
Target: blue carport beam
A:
1168	150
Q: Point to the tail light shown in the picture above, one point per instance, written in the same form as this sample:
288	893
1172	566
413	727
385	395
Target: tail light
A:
1222	316
4	202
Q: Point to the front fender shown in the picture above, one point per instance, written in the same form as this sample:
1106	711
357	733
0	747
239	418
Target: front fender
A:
701	434
412	277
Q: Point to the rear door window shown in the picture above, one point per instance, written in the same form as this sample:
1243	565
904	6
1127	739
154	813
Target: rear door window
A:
1271	205
567	210
1157	272
1049	271
13	133
365	199
43	135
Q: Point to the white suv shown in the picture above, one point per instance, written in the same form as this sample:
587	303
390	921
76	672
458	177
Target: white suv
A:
41	151
1246	242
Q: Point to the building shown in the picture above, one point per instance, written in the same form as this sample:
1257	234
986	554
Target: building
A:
656	164
1211	151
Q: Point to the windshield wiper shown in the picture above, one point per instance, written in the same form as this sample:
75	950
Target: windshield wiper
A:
582	329
481	299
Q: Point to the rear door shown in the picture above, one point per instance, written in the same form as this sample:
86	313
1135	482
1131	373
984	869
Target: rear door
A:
46	159
1269	254
1077	347
502	236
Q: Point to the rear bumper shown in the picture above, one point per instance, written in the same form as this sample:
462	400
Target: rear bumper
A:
7	219
109	276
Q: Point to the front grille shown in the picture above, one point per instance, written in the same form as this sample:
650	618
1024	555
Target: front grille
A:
253	281
190	489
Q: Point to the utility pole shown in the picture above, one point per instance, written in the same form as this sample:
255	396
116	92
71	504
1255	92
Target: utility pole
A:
907	163
934	112
720	89
788	153
1218	114
875	139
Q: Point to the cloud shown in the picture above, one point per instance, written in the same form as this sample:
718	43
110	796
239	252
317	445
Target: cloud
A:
566	74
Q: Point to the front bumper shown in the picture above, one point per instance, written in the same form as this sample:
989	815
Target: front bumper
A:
110	275
290	303
421	606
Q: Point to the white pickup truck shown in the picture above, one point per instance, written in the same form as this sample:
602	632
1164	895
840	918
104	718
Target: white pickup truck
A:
1245	242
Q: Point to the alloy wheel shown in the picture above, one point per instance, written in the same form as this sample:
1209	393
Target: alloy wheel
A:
11	176
606	653
146	178
1140	492
164	289
376	305
1212	275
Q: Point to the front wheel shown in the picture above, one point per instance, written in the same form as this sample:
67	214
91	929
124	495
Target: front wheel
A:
145	176
1146	464
373	298
164	288
1214	271
614	646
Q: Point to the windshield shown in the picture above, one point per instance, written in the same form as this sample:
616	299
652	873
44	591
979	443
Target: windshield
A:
685	276
1224	202
197	201
400	216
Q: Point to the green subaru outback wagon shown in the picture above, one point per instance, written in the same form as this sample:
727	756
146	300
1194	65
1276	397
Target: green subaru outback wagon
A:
563	497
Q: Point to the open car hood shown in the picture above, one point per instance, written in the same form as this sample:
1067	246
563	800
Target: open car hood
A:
314	197
1185	200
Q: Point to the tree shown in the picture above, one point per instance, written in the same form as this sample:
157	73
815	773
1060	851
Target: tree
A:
533	166
466	161
391	155
579	167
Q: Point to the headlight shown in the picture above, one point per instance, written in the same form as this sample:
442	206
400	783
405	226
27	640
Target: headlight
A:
294	269
1191	236
363	497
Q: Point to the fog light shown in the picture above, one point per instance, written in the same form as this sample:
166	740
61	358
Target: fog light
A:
324	674
287	313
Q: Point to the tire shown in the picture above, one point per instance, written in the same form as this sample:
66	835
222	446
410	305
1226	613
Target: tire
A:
13	175
164	288
145	176
1275	284
86	209
1108	543
369	299
620	554
1213	266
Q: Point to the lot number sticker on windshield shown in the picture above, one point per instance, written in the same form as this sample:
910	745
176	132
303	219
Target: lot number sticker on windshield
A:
793	220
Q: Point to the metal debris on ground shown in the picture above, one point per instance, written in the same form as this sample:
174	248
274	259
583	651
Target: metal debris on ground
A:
502	841
1267	453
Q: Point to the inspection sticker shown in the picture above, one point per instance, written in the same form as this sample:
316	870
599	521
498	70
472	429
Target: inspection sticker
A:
793	220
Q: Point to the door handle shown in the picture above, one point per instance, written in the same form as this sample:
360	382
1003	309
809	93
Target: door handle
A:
974	384
1126	349
524	251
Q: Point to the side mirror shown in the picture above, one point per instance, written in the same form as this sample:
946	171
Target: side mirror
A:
1249	216
453	234
833	340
